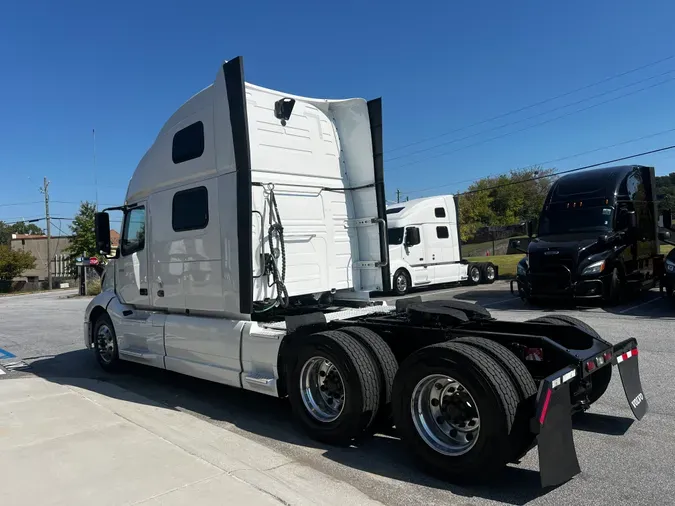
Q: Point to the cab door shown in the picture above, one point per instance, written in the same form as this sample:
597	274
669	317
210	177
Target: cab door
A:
415	254
132	266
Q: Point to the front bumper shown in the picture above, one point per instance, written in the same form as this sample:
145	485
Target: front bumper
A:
547	286
552	423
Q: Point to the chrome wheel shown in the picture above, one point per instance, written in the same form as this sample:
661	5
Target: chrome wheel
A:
490	272
105	343
401	283
445	415
475	274
322	389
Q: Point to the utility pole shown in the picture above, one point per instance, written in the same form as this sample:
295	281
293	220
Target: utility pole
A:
45	191
398	195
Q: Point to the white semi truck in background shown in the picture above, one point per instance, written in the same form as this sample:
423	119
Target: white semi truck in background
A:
254	229
425	247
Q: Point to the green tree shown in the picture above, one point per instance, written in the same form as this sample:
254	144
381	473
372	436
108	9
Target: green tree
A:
14	262
83	241
20	227
665	190
507	199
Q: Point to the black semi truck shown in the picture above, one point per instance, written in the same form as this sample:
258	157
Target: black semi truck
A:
597	238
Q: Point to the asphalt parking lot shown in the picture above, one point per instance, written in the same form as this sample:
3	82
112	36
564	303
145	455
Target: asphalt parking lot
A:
622	462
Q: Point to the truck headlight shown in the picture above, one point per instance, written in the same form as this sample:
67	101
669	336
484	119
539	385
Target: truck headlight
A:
595	268
670	266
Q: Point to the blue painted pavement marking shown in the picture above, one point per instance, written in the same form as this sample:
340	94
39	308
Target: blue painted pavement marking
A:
6	354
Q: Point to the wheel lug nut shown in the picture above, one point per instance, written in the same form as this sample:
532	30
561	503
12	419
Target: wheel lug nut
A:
434	402
438	386
440	420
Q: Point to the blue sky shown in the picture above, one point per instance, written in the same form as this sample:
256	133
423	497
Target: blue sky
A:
441	66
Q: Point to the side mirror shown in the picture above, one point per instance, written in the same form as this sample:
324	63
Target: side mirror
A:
664	235
412	236
667	219
529	226
518	246
102	231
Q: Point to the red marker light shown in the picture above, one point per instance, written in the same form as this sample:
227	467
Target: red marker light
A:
590	366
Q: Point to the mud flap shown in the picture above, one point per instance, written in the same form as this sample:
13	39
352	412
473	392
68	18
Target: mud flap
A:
626	358
558	461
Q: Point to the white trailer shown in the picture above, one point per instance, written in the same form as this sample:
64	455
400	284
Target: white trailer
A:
254	229
424	246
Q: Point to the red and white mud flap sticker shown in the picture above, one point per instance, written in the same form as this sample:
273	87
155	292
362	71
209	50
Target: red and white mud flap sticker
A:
558	461
626	358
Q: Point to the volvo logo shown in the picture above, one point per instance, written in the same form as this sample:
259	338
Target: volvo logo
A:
551	252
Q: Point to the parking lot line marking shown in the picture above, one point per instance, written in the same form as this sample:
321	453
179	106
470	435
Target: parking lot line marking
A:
640	305
6	354
499	301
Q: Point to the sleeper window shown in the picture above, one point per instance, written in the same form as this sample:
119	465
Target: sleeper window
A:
190	209
442	232
439	212
188	143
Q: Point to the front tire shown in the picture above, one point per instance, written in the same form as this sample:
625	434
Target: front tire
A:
401	282
454	407
105	344
333	386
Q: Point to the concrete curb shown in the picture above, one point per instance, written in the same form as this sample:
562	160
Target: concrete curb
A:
260	467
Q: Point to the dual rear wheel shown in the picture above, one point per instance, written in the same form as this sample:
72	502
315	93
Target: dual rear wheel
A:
461	407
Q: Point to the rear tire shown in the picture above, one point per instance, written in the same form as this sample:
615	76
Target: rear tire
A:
387	367
522	439
491	393
601	379
474	273
401	282
488	273
333	386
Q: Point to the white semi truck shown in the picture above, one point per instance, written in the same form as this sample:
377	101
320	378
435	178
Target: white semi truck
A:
424	246
255	227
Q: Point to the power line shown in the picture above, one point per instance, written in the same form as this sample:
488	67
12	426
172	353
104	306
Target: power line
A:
535	178
503	115
532	126
21	203
505	125
539	164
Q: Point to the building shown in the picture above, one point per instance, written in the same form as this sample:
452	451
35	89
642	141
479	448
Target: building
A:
37	246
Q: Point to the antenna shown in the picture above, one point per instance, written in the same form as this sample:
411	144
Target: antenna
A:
93	131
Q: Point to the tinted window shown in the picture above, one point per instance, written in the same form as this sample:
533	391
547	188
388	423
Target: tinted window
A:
439	212
188	143
442	232
133	236
395	235
190	209
394	210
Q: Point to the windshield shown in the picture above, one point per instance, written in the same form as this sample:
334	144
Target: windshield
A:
567	221
395	235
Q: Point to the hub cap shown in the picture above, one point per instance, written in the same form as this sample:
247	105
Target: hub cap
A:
401	283
445	415
490	271
106	343
322	389
475	275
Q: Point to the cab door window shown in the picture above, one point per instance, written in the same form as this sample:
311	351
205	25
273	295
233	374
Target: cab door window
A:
133	236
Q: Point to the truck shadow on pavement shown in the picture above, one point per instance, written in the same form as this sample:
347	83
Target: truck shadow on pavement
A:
268	421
